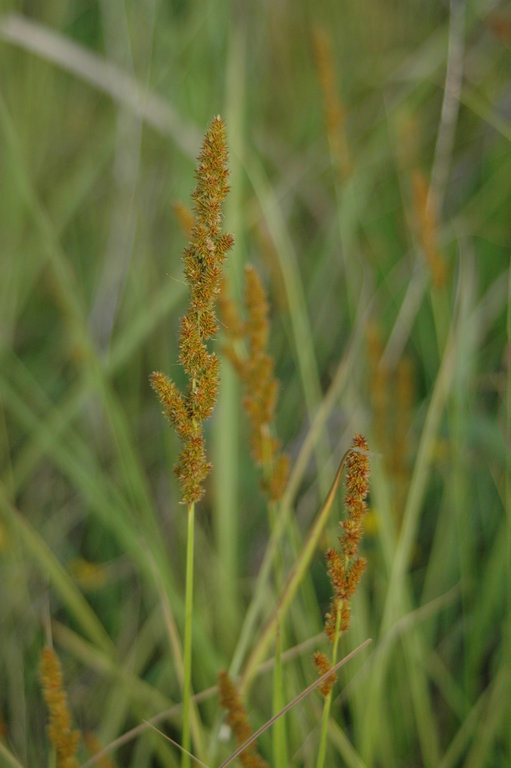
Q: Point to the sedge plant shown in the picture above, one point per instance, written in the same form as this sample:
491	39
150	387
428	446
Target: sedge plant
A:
203	259
187	412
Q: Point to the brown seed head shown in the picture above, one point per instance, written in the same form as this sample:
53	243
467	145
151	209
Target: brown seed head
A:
237	719
344	568
64	740
256	370
203	259
323	665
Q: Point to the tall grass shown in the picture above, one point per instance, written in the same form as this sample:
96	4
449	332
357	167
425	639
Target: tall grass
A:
369	161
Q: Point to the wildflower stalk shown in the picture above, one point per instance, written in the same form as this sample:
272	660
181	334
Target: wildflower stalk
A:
203	259
344	569
255	368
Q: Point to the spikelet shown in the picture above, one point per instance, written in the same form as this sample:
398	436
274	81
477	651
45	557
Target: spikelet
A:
185	217
345	567
237	719
203	259
428	230
323	665
232	323
94	748
256	370
61	736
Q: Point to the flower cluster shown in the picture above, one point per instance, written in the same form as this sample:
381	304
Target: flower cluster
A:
203	259
323	665
346	568
238	721
256	370
61	736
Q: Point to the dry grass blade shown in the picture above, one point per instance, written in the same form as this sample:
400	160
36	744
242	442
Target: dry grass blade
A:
175	744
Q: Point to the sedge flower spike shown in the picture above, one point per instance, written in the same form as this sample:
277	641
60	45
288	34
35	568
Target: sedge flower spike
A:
237	719
64	740
256	370
203	259
345	567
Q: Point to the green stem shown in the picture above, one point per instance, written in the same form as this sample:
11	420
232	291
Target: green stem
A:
280	759
328	699
187	649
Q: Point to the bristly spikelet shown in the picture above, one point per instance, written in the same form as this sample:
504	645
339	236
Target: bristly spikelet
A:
345	568
323	665
237	719
428	230
203	259
256	370
61	736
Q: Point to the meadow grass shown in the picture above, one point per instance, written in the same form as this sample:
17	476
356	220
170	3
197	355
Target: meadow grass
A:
369	160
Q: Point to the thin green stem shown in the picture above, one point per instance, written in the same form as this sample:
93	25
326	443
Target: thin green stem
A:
507	488
328	698
187	646
280	752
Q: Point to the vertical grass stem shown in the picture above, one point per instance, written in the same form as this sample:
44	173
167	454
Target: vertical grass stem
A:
187	649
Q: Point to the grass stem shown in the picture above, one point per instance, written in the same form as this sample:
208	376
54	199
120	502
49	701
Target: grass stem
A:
327	704
187	648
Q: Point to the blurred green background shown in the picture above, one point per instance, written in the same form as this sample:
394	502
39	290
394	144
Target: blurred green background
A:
370	186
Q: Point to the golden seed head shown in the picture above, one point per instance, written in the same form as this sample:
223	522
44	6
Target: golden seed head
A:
64	740
345	568
256	370
203	259
323	665
237	719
